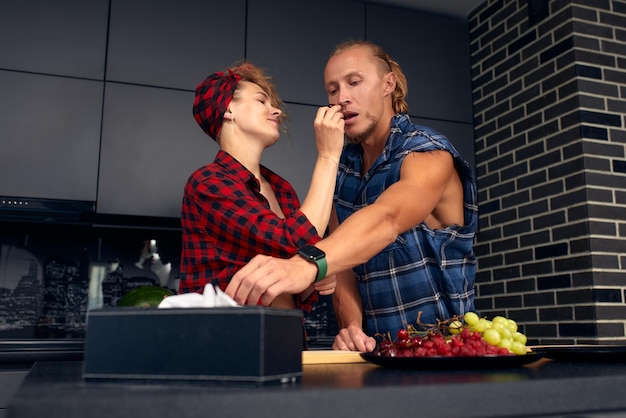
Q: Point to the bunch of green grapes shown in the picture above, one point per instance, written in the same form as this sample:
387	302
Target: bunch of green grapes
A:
500	331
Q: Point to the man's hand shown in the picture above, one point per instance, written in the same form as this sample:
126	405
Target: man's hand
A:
354	339
264	278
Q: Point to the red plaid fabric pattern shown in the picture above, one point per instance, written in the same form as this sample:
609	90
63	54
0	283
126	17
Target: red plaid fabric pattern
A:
226	221
213	96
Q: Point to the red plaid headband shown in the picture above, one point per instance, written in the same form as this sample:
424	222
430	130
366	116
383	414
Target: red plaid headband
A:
213	96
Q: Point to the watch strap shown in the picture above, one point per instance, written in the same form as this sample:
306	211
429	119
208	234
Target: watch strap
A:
316	256
322	267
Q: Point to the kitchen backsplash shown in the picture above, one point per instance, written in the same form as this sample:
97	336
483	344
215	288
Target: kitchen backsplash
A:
51	274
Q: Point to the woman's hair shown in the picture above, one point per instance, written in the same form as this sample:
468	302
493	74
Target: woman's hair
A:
253	74
387	64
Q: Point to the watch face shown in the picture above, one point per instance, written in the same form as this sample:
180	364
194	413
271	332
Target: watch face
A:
312	252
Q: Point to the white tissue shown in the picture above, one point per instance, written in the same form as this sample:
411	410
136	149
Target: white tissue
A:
211	297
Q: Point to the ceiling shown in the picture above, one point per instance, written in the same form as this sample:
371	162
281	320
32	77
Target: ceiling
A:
456	8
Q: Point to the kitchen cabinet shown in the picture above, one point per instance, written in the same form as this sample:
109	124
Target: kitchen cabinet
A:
50	136
52	69
150	145
435	57
51	126
301	44
62	37
97	96
173	44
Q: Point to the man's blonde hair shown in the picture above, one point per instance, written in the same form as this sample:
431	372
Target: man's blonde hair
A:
386	64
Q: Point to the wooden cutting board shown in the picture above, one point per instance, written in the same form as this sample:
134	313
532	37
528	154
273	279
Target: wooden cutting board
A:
330	357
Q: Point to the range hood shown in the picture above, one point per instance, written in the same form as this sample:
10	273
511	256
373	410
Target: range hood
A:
49	210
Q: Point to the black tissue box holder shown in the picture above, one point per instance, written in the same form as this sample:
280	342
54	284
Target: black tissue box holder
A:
231	344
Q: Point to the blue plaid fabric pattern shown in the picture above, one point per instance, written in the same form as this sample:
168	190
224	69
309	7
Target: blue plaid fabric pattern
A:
425	270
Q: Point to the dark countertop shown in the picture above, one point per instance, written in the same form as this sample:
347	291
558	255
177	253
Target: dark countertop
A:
30	351
544	388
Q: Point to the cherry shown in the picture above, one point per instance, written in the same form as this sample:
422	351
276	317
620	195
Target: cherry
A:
402	334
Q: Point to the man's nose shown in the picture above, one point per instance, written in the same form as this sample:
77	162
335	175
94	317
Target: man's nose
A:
343	98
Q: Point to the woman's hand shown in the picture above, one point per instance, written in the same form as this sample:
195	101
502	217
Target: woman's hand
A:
327	286
264	278
329	132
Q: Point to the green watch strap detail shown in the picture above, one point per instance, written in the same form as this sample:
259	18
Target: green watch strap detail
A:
322	267
312	254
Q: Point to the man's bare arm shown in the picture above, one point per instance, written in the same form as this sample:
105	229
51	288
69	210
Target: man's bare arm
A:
424	178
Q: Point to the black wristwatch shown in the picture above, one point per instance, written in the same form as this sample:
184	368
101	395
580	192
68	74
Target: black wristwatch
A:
315	255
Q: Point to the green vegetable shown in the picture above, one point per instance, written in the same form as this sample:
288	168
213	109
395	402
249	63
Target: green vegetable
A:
144	297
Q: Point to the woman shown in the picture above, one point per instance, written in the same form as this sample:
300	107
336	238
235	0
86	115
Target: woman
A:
235	208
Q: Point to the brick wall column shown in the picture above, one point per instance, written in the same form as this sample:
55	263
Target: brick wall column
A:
549	90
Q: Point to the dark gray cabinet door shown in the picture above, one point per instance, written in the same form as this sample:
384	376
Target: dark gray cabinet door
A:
434	55
173	43
62	37
150	145
295	51
49	136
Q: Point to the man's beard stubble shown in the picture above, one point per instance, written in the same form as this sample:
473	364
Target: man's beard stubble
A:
363	136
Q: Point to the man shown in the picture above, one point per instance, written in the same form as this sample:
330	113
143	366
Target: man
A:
404	220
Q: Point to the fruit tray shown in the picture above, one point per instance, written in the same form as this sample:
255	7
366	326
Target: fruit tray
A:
449	363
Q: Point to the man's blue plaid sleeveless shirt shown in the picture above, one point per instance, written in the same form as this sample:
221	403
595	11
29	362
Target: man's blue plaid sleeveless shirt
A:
423	270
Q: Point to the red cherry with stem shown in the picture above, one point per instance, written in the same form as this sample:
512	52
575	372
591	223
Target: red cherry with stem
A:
402	334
